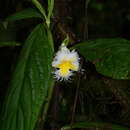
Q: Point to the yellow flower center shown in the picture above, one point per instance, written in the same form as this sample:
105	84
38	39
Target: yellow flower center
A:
65	66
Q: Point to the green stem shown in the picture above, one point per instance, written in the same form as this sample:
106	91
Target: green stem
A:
50	93
50	10
40	8
65	41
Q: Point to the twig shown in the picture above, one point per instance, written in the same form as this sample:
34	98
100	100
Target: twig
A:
76	96
47	105
75	100
85	34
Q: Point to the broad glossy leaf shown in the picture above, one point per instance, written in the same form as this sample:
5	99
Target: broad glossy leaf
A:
24	14
30	84
100	125
110	56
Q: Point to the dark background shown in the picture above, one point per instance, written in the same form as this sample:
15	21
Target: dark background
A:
100	98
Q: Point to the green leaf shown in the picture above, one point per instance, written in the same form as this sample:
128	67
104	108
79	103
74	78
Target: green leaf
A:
31	83
25	14
11	43
100	125
110	56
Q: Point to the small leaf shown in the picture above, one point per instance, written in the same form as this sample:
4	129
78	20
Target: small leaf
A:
90	125
11	43
31	83
25	14
110	56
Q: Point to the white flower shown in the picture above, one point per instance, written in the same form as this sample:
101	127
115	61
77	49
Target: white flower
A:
65	62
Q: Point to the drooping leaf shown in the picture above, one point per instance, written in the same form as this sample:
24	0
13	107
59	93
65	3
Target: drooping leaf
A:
30	84
110	56
99	125
25	14
11	43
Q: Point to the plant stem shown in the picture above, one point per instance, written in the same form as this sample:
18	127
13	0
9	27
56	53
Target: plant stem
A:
44	114
75	101
40	8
